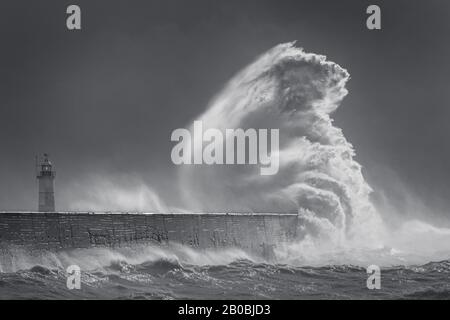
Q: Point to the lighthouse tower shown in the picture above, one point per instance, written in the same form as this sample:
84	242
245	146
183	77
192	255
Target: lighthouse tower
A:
46	177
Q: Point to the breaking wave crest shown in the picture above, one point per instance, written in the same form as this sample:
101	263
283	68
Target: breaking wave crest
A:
181	273
14	259
296	92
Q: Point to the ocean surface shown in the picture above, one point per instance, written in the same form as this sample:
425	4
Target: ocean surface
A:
155	273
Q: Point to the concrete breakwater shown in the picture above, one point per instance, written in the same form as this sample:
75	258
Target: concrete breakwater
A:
254	233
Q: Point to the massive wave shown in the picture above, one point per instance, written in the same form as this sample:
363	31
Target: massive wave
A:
295	92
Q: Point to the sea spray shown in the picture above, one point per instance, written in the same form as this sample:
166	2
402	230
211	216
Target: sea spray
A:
16	258
318	177
165	273
295	92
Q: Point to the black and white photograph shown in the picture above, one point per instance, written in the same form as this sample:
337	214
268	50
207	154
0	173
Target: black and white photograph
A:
230	150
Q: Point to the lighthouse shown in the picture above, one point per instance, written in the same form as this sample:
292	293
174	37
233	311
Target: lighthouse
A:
46	178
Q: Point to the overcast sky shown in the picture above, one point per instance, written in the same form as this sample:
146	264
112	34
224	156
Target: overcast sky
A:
104	100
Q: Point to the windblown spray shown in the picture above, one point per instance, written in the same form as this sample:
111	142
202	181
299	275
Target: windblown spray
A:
295	92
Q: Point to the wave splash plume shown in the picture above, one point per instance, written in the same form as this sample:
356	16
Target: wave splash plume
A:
297	92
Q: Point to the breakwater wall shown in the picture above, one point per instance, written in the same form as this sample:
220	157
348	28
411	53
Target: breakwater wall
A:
255	233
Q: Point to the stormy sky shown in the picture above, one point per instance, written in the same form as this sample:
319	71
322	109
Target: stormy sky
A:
103	101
